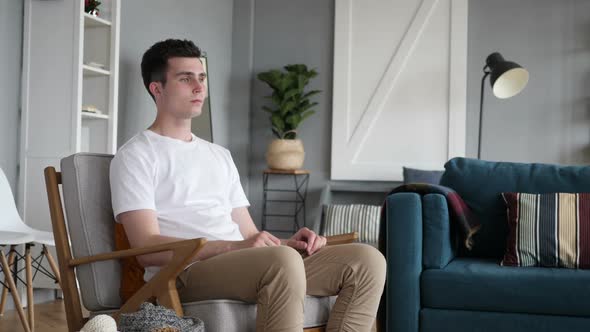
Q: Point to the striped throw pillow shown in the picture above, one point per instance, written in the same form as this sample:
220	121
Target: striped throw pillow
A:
346	218
549	230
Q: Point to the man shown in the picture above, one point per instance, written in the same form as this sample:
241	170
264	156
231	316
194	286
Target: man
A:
168	185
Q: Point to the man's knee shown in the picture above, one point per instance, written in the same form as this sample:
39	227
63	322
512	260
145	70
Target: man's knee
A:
287	264
369	261
286	258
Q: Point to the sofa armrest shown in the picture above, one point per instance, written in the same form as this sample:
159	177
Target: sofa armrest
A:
403	249
438	246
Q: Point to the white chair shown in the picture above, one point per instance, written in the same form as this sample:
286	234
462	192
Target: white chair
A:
14	239
11	222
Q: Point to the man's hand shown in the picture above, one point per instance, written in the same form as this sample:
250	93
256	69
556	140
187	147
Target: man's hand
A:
306	239
260	239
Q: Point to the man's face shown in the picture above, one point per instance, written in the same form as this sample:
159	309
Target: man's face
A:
185	90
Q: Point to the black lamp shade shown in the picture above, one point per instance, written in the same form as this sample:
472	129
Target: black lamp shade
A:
506	77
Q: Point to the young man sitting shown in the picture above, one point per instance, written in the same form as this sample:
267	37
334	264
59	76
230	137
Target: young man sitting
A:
168	185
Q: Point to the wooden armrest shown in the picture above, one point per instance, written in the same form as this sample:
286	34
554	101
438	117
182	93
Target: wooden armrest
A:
170	246
162	286
342	238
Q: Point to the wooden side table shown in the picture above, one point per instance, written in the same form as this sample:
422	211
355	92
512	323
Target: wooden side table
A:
299	190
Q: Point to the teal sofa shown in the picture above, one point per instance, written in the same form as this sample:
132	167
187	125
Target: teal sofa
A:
434	284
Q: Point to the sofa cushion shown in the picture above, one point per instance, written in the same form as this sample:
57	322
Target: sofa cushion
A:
485	321
550	230
414	175
484	285
480	183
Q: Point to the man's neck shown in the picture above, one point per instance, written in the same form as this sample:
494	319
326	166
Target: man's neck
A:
174	128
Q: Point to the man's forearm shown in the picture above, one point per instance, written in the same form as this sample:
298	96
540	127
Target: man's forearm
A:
210	249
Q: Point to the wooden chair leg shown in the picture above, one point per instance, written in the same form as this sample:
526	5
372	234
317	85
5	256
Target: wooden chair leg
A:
315	329
52	264
14	291
4	289
30	299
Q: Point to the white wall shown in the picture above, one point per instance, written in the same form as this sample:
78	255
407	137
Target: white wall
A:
11	33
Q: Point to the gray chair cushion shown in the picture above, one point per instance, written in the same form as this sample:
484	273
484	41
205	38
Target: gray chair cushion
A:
237	316
90	221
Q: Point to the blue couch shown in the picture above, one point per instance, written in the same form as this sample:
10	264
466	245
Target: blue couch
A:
436	285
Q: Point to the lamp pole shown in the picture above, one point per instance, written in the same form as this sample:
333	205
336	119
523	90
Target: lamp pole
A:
486	73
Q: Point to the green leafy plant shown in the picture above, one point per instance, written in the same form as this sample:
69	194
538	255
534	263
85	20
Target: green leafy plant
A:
290	103
91	5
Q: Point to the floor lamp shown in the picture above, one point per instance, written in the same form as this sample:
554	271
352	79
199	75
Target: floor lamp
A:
507	79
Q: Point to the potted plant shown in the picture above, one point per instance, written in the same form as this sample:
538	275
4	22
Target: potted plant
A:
290	105
91	7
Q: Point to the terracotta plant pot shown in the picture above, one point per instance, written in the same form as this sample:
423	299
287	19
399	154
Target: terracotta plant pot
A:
285	154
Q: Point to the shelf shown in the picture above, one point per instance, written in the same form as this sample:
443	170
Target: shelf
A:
90	71
95	21
86	115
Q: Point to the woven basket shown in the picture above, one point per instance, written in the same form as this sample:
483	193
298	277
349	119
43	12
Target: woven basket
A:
285	154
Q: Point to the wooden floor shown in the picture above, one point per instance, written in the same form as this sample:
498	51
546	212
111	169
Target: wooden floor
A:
49	317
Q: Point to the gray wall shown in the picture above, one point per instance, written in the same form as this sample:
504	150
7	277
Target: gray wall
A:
241	87
282	37
11	33
209	24
550	120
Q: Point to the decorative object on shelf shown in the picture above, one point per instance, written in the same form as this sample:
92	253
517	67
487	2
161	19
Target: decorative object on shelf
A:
290	106
91	109
91	7
507	79
95	65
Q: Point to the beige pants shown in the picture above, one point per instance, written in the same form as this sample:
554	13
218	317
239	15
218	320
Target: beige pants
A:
277	279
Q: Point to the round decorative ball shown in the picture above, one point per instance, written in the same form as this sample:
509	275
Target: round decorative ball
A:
100	323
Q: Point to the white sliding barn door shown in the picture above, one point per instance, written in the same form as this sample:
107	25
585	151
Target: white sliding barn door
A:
399	86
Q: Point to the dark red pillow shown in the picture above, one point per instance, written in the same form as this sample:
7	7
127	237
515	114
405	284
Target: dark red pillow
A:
131	270
549	230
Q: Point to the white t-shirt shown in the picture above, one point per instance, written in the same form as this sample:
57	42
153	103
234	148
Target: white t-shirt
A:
193	186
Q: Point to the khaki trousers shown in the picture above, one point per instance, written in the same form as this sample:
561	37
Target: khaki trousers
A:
277	279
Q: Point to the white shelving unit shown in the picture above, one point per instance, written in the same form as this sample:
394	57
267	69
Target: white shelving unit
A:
70	60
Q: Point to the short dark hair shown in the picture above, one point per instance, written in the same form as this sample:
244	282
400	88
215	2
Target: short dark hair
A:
154	62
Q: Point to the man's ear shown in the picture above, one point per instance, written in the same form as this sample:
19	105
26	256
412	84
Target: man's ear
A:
155	88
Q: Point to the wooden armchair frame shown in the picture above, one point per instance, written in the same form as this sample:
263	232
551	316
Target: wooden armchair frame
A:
162	286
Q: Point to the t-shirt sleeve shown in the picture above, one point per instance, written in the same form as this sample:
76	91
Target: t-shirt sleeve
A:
237	197
132	183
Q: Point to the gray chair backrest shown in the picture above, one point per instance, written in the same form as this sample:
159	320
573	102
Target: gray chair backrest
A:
91	227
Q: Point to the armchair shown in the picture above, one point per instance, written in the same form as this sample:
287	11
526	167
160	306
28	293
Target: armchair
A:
434	284
90	260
